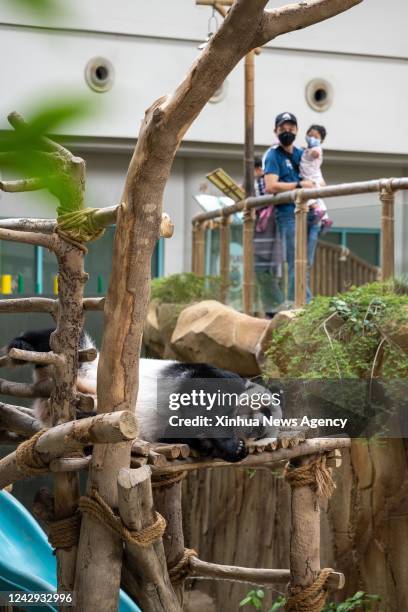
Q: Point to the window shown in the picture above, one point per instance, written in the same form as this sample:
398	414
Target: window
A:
29	270
361	241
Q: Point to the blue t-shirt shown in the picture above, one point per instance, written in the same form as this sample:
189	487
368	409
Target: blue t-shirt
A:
286	167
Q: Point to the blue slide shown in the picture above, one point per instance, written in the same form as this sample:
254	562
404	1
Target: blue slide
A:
27	562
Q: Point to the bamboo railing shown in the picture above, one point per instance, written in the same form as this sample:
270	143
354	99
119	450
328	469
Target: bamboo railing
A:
335	267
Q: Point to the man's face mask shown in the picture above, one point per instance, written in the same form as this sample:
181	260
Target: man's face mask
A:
286	138
312	141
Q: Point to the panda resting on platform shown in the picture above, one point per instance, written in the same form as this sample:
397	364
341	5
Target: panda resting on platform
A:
152	406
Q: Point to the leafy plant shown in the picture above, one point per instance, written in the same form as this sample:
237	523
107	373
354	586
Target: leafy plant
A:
359	601
253	598
27	153
343	337
185	288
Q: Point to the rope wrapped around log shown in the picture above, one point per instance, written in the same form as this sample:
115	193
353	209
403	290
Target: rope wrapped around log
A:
100	511
29	461
312	598
180	570
79	226
315	474
64	533
166	480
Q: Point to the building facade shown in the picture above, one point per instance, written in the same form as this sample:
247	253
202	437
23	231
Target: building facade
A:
347	74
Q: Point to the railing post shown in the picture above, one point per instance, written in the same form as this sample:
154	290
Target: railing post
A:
248	248
387	230
224	257
345	252
200	249
300	250
194	248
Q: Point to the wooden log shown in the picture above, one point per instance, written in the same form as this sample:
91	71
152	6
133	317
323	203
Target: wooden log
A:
157	459
168	502
200	250
70	464
137	462
115	427
15	420
225	258
112	428
305	551
249	102
248	261
170	451
262	577
146	578
213	2
140	447
300	250
308	447
93	303
42	388
48	358
30	304
387	199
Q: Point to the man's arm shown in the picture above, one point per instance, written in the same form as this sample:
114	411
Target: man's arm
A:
273	185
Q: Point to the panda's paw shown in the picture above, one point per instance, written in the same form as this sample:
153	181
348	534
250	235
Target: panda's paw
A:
231	450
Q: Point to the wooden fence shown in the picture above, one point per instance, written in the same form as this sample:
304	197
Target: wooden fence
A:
335	267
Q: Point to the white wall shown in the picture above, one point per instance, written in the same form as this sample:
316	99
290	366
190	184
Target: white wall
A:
362	53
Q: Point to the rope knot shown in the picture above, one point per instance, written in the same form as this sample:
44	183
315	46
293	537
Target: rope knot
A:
166	480
79	226
64	533
28	459
96	507
315	474
313	597
181	570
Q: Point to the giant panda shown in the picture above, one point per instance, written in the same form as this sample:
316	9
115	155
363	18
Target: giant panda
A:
160	378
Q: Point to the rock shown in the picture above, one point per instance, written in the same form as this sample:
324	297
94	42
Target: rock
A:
214	333
265	340
160	323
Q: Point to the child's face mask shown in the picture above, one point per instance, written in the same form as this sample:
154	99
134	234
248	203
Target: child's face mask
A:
312	141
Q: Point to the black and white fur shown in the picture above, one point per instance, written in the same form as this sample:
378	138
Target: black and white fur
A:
149	412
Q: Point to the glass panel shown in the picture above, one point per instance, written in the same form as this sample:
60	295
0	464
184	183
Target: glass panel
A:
332	237
364	245
212	247
236	266
17	261
50	271
98	263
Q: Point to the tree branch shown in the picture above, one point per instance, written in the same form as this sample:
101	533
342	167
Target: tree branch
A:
31	184
298	16
47	241
30	304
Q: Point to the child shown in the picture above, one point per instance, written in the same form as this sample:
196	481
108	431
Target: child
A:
310	169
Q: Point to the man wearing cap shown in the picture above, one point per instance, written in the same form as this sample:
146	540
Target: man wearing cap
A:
281	168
